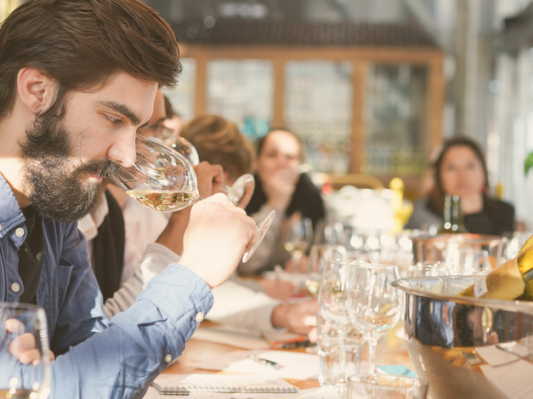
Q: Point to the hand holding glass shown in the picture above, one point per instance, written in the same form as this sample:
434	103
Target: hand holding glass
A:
163	180
24	354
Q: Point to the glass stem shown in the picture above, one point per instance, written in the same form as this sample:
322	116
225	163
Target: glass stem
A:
372	344
342	362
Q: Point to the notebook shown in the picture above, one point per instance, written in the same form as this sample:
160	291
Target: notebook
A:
182	384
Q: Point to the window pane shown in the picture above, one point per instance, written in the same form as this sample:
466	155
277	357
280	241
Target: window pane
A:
395	131
318	108
241	91
182	97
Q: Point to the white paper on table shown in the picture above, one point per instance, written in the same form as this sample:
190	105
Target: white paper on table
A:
299	366
232	336
513	380
315	393
152	393
221	362
497	357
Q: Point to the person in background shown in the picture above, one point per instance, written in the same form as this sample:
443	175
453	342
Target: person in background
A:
173	120
219	142
460	169
280	187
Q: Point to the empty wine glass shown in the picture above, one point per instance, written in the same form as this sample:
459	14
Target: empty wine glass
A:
240	193
298	238
163	180
24	354
373	303
318	257
332	297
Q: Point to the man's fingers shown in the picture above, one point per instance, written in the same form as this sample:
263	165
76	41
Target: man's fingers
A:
22	344
14	326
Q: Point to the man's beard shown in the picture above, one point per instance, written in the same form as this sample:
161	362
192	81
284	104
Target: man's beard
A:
55	190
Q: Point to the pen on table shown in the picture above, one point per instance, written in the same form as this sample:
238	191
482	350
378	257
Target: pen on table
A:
298	344
266	362
288	341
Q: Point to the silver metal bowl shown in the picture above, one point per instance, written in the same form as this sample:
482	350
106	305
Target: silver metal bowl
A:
444	333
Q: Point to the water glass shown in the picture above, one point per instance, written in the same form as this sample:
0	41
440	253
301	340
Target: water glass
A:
428	269
370	386
329	356
332	298
24	353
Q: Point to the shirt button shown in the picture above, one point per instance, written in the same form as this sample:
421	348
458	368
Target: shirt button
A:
15	287
199	317
19	232
168	358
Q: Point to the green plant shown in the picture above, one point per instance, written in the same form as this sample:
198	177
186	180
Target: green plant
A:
528	163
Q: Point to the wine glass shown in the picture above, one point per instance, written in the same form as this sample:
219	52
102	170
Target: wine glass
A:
332	297
163	180
319	255
298	237
239	194
373	304
24	354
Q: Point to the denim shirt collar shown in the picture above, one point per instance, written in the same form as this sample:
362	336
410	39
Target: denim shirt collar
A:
11	215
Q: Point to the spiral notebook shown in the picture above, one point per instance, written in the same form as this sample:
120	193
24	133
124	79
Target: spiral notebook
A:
182	384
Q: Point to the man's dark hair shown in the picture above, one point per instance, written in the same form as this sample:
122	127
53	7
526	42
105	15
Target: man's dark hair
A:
81	43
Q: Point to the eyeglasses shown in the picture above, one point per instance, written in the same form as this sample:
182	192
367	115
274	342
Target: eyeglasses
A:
158	132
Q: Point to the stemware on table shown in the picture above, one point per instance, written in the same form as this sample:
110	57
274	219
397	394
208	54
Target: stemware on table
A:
333	296
372	303
23	329
164	180
297	239
318	257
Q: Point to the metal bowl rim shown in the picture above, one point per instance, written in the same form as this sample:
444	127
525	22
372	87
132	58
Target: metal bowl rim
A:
511	306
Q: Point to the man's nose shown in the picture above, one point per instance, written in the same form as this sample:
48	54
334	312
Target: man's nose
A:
123	151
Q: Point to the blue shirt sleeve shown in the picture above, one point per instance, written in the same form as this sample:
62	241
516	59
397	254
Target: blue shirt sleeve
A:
122	360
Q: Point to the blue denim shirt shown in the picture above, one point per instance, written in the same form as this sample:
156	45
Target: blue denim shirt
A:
102	358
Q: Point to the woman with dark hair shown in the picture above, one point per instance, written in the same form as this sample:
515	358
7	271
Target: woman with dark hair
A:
461	170
280	187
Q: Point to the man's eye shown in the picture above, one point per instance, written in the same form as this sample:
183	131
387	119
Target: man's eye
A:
115	121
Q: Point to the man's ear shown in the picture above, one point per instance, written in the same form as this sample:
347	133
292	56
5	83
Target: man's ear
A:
36	91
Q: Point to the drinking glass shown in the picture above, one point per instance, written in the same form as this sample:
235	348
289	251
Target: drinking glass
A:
370	386
428	269
298	238
332	298
373	304
163	180
24	354
239	194
318	257
328	352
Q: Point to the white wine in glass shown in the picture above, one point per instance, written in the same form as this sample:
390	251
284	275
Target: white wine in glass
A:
163	180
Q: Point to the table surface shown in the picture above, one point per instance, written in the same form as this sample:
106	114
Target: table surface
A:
391	350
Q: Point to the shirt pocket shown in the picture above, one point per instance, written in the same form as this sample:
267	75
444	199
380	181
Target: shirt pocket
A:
64	274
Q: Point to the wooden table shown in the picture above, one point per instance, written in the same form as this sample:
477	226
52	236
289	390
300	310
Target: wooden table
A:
390	351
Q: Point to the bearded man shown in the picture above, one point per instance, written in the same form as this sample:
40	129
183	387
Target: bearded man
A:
77	79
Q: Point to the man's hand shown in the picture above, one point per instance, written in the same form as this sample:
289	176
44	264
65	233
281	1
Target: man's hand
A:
300	318
279	187
23	347
217	236
210	178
